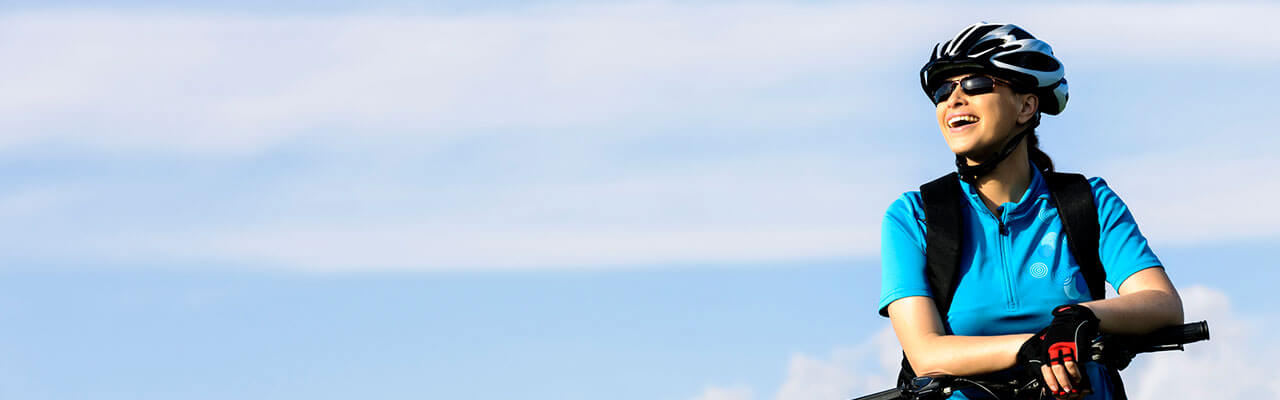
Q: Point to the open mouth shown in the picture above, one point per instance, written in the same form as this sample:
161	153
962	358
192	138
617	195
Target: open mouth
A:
961	121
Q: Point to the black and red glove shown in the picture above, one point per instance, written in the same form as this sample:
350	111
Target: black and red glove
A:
1067	338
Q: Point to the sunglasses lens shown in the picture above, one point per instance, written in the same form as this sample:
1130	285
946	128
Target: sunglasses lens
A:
978	85
942	93
974	85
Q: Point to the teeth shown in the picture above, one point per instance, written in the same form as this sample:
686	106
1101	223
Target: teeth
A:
970	118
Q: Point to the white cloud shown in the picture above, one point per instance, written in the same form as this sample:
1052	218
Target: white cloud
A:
1226	366
1174	201
142	87
227	83
846	372
1207	32
752	214
1231	365
185	83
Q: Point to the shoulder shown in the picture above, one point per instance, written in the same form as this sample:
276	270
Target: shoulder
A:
1100	187
907	211
907	207
1104	197
904	223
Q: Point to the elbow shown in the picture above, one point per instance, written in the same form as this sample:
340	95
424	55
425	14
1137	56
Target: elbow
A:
923	366
932	372
1176	315
927	363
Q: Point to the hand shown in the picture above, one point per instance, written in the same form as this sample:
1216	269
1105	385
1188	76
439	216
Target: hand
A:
1053	355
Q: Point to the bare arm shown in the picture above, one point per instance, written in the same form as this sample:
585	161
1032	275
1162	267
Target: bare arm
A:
932	352
1147	302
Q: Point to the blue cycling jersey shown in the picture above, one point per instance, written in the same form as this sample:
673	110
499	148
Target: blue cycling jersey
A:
1015	265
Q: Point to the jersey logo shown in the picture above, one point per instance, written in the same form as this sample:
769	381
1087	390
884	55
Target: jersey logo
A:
1039	270
1048	244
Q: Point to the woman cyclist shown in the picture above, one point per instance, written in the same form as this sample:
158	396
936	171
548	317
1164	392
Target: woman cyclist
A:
1021	305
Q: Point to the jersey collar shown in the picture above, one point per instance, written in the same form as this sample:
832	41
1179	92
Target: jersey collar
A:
1036	190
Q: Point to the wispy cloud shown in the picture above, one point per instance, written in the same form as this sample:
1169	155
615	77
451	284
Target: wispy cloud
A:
1172	195
1207	369
231	83
845	372
566	135
1224	367
708	214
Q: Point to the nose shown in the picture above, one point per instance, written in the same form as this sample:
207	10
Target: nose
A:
957	97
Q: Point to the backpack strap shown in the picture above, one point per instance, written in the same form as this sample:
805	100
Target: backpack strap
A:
1073	196
944	228
1078	212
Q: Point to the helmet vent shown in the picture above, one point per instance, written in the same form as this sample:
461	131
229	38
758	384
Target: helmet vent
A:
983	47
1035	61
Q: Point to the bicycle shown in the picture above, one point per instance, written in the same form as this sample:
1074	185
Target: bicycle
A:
1114	351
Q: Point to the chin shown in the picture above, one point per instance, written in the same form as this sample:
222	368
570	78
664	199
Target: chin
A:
970	149
963	150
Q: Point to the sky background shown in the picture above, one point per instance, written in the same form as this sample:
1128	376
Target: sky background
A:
568	199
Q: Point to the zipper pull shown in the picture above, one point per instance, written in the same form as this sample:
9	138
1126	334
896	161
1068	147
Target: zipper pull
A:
1004	229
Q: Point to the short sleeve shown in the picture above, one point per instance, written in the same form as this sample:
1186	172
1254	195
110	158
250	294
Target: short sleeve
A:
902	265
1121	246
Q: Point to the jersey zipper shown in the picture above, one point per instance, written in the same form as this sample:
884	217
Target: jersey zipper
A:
1005	240
1005	243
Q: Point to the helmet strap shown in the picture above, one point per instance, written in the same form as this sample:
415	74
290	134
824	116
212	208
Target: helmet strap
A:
971	173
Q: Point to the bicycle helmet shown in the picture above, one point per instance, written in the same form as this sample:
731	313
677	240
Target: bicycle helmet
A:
1004	51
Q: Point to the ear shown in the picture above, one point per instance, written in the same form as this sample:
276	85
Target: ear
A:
1030	103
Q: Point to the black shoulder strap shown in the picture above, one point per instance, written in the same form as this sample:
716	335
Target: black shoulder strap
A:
1073	196
944	228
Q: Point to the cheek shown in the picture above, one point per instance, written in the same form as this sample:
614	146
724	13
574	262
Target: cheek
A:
942	127
941	119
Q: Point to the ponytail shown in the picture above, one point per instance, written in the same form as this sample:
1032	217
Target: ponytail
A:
1036	155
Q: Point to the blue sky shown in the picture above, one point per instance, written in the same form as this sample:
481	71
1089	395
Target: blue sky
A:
564	200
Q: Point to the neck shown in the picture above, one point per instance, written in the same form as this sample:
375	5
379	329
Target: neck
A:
1008	182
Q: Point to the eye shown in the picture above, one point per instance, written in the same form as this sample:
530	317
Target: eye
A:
943	92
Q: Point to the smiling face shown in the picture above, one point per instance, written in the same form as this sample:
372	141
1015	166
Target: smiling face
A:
977	126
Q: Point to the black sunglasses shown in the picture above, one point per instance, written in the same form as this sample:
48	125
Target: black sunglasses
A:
973	85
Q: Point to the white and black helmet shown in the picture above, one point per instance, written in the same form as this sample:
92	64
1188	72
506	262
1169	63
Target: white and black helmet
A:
1004	51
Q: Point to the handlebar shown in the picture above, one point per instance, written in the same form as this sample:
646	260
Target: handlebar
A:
1115	351
891	394
1172	336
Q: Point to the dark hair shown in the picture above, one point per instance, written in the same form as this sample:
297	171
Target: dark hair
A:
1036	155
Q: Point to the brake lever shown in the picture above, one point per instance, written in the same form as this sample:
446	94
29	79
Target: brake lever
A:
930	388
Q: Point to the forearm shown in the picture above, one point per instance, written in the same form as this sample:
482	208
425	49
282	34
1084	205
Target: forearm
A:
1138	312
965	355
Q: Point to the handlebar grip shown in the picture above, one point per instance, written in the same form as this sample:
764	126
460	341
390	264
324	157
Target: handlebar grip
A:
1177	335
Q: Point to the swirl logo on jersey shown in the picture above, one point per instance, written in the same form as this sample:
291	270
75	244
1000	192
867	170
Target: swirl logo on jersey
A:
1039	270
1048	244
1045	214
1071	287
